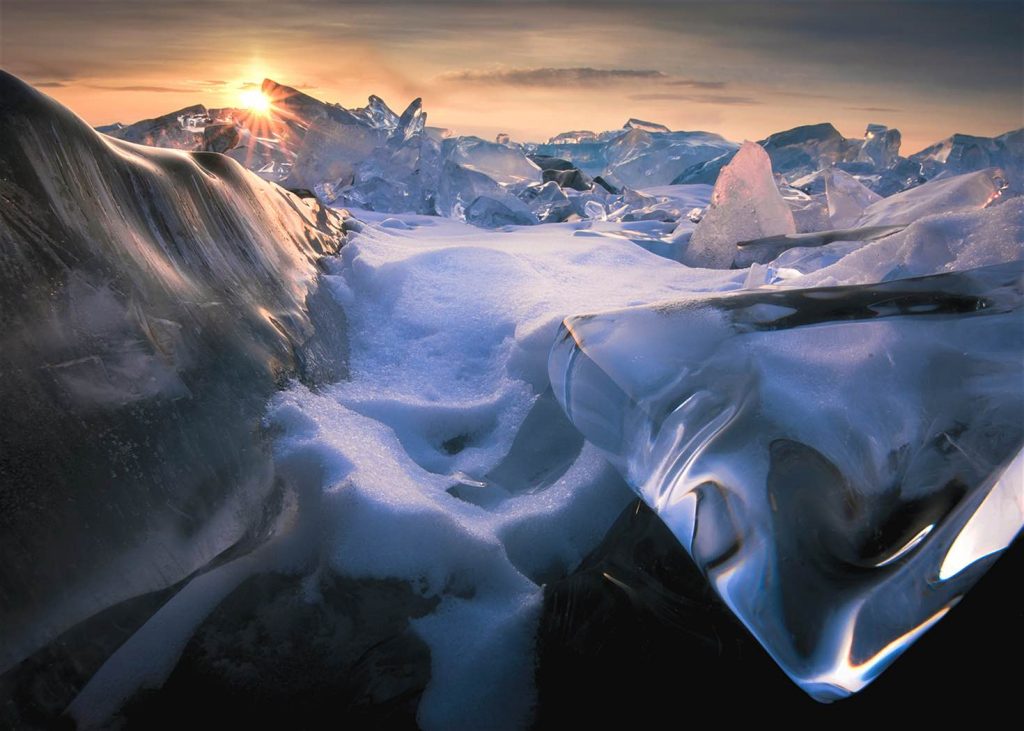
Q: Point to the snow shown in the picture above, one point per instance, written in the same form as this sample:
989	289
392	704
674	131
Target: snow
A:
448	376
449	335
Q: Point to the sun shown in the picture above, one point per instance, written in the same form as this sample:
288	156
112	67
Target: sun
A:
255	101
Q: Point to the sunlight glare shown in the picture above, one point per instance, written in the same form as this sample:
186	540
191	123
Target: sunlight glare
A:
255	101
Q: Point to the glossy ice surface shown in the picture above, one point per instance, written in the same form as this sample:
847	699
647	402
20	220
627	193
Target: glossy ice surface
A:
843	463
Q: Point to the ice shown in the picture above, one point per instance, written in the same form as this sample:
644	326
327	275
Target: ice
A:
460	189
769	251
818	451
488	212
645	126
641	154
803	150
794	153
939	243
169	130
400	175
548	202
745	205
574	179
966	153
573	137
962	192
640	158
846	198
411	433
331	151
412	122
221	137
881	146
152	300
800	155
502	164
379	114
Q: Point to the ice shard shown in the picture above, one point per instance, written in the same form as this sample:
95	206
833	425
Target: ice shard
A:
502	164
970	191
961	153
642	157
745	205
794	153
881	146
846	198
179	130
842	463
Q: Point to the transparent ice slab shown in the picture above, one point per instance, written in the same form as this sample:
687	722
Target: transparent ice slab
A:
842	463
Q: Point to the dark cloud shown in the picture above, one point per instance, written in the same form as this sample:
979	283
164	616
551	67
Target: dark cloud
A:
949	64
803	95
144	87
883	110
49	84
558	77
696	84
723	99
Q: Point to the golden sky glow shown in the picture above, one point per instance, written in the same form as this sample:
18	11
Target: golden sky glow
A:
534	69
255	101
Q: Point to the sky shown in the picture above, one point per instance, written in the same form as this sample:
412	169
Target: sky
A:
534	68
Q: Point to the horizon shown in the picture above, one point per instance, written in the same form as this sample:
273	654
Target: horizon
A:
545	138
740	69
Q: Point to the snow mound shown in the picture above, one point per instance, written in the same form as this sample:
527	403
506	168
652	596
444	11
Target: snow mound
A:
447	462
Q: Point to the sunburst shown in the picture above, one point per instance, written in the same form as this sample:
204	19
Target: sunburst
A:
256	102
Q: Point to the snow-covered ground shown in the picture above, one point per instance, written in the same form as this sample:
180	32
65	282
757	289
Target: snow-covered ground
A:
446	461
406	386
443	461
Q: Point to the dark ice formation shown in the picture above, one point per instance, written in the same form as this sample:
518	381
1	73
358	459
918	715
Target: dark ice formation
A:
151	302
842	463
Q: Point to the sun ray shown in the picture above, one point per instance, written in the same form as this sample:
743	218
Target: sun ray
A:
255	101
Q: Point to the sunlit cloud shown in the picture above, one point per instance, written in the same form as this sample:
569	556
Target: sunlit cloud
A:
144	87
880	110
744	69
723	99
696	83
560	77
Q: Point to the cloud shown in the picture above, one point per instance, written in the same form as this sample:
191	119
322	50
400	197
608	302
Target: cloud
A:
144	87
49	84
803	95
723	99
883	110
245	85
556	77
696	84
